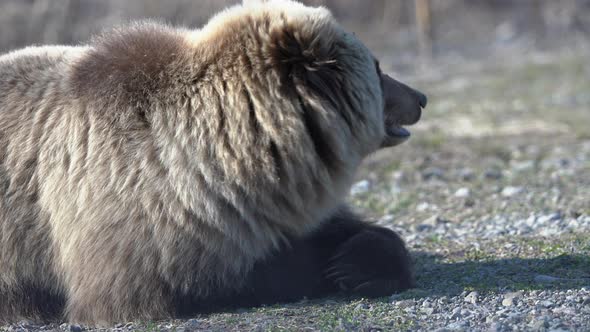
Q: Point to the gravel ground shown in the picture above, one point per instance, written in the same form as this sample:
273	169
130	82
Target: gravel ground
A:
492	195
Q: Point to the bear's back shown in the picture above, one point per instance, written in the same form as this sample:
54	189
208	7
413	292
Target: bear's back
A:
31	76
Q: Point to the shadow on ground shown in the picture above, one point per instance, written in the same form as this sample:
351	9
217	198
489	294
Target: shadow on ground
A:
436	278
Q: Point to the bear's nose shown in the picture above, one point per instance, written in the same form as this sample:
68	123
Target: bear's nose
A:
422	99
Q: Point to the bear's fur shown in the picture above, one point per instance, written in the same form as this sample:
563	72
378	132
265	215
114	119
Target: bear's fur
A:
159	172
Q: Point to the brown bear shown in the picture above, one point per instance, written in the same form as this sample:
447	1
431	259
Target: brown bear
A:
158	172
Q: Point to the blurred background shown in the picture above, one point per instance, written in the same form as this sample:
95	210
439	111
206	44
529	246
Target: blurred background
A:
397	30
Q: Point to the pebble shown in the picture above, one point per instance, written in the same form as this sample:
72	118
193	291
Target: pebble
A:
511	298
193	323
360	187
508	302
539	324
422	227
75	328
511	191
523	165
472	297
462	192
361	306
554	217
423	206
457	326
456	313
428	311
433	173
493	174
466	174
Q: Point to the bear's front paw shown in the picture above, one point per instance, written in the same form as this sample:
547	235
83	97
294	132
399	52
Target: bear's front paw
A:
373	263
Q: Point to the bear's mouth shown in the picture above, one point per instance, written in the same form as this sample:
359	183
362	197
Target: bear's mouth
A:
395	135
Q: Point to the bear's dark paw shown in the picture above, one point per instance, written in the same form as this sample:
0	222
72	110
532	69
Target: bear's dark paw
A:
373	263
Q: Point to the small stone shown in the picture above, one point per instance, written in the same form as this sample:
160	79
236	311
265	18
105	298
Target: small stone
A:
360	187
472	297
559	329
540	324
432	173
13	328
515	295
523	165
547	304
493	174
193	323
466	174
510	298
456	313
75	328
361	306
549	218
496	327
435	220
511	191
428	311
406	303
586	300
515	316
423	206
422	228
457	326
462	192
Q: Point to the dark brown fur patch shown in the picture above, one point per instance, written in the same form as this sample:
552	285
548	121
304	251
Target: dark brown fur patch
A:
128	66
306	62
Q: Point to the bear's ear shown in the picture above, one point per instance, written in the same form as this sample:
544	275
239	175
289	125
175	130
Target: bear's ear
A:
308	55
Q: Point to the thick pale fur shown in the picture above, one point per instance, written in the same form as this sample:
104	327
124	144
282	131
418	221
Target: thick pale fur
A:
158	161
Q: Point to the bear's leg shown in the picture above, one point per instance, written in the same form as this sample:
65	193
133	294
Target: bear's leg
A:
345	254
29	301
365	260
290	274
113	274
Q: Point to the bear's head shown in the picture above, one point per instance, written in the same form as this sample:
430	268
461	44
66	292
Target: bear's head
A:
303	103
350	107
